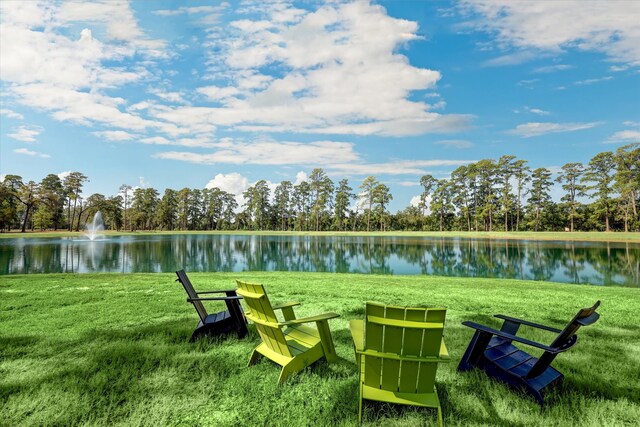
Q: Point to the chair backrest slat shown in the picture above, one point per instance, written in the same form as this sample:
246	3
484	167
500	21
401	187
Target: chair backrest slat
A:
262	314
188	287
407	332
585	316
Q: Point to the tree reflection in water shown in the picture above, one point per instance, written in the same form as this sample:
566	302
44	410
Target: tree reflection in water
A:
601	263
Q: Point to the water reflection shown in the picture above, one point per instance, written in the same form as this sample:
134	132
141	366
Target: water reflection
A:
601	263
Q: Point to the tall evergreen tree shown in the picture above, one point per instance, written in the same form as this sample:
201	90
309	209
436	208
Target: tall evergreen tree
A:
366	188
344	195
540	193
600	173
570	178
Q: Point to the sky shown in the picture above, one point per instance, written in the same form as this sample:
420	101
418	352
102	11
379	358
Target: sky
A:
174	94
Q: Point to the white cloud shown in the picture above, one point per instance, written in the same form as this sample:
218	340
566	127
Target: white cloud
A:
26	133
11	114
27	152
511	59
624	136
610	27
455	143
118	19
527	130
631	123
233	183
211	13
592	81
188	10
270	153
300	177
399	167
341	72
114	135
409	183
537	111
173	97
216	93
63	175
552	68
415	201
618	68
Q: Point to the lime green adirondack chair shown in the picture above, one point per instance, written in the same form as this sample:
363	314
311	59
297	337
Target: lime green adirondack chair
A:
398	350
289	343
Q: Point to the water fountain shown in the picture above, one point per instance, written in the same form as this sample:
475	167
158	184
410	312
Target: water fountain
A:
94	229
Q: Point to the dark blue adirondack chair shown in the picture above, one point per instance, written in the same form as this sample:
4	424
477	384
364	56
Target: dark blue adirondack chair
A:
494	352
222	323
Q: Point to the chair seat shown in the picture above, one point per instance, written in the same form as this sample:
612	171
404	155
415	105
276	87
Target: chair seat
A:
505	355
429	400
301	338
217	317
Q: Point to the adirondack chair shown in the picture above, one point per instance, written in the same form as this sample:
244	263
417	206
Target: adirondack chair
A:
289	343
493	351
397	351
224	322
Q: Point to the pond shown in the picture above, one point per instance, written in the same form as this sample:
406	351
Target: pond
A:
597	263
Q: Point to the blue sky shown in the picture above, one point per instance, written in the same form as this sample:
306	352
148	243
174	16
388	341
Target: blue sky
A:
174	94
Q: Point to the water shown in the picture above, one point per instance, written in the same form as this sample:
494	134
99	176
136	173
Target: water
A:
598	263
94	228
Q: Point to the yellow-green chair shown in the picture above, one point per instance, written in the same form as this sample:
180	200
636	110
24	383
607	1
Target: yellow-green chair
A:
289	343
397	351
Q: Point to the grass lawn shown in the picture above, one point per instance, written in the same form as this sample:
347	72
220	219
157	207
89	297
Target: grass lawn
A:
527	235
112	349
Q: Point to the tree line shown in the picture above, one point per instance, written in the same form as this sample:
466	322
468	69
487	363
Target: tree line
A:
489	195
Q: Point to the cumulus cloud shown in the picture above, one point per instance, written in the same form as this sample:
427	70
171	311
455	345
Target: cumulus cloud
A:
26	133
339	71
300	177
624	136
554	26
527	130
114	135
11	114
32	153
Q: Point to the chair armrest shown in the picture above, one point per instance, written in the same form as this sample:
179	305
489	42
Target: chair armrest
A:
217	292
212	299
356	327
526	322
511	337
318	318
395	356
285	305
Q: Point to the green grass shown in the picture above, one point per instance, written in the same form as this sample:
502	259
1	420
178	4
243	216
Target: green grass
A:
529	235
112	349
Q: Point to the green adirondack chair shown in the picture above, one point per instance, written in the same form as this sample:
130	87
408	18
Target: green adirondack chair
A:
289	343
398	350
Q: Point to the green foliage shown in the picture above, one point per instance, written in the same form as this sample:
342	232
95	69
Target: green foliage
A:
483	196
112	349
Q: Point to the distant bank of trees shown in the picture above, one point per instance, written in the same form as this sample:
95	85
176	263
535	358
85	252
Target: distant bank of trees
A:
490	195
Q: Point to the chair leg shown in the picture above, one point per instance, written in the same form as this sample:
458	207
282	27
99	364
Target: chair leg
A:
440	423
360	405
474	351
255	356
287	371
327	341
